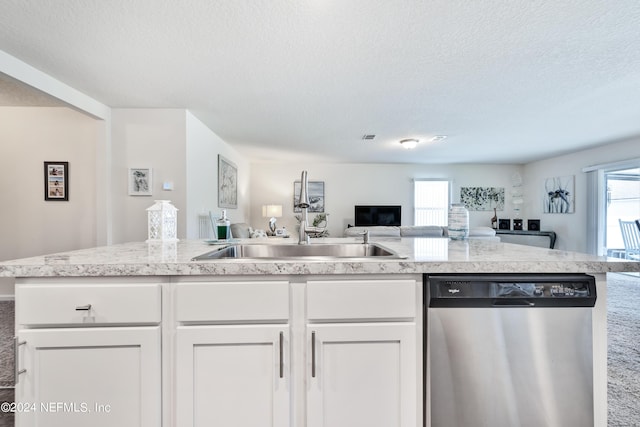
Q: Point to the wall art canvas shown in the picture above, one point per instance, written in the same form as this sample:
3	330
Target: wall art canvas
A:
140	182
316	196
227	183
559	195
482	198
56	181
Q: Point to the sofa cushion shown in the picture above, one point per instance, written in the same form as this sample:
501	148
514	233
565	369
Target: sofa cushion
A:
375	231
479	233
482	231
240	230
257	233
421	231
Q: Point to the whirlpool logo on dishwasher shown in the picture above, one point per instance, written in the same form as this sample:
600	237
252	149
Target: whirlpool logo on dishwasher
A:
454	291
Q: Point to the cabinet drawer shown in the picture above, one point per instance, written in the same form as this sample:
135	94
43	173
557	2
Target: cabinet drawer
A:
361	299
232	301
110	304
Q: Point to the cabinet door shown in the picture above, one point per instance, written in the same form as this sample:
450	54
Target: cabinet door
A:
233	376
362	375
99	377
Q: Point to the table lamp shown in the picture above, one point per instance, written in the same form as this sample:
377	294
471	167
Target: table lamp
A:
272	212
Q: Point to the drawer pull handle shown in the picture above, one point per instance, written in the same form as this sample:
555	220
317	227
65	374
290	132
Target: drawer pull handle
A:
313	354
16	356
83	307
281	354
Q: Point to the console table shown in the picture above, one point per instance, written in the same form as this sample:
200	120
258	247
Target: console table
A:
550	234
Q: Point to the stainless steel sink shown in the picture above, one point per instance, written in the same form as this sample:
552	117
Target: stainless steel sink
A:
315	251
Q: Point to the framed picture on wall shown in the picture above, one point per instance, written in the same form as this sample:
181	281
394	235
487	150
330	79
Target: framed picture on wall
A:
559	195
140	181
482	198
315	194
56	181
227	183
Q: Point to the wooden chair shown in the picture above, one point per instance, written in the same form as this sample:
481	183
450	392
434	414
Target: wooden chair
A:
631	238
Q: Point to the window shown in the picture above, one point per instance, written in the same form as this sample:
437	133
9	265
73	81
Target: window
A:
613	193
431	202
623	203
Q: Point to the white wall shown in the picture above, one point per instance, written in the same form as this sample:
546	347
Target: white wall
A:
29	244
29	136
347	185
203	148
571	228
179	149
141	138
154	138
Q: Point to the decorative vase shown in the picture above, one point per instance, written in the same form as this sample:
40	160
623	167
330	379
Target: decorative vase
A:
458	222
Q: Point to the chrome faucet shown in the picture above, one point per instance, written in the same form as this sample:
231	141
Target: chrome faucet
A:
304	204
365	236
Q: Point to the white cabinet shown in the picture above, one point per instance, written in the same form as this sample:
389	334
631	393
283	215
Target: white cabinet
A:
320	353
233	376
219	352
89	353
101	377
232	358
363	360
362	375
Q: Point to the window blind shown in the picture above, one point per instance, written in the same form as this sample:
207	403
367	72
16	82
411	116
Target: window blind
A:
431	202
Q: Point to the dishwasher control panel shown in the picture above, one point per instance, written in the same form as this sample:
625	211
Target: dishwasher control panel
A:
501	290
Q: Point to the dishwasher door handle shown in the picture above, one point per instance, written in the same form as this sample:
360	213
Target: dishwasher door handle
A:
513	303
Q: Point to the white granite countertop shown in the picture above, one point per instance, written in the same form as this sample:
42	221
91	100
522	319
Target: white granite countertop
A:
420	255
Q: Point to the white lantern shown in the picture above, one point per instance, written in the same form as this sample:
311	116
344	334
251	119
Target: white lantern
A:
162	222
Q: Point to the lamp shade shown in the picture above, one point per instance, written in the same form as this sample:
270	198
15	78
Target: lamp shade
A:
271	211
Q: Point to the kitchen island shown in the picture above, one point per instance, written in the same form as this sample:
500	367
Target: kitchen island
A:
193	339
419	255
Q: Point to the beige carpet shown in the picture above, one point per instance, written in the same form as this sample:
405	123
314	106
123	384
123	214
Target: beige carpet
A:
6	358
623	311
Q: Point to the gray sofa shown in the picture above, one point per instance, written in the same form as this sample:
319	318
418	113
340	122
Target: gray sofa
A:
482	233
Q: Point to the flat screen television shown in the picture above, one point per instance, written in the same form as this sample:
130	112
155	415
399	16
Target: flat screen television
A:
368	216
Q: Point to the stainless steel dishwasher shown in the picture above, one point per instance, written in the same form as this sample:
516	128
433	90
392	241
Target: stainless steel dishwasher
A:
509	350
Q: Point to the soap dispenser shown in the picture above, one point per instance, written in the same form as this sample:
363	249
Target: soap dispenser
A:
223	227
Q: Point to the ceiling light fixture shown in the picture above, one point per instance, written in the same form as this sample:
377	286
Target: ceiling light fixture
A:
409	143
438	138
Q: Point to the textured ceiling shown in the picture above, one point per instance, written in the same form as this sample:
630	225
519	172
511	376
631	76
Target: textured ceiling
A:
507	81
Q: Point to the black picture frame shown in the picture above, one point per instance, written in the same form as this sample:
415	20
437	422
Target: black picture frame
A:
533	225
56	181
504	224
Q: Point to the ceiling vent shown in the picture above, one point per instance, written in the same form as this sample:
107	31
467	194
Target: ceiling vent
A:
368	137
